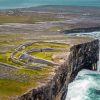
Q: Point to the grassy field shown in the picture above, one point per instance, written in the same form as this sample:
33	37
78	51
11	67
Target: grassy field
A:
11	87
20	79
27	19
55	29
27	78
43	55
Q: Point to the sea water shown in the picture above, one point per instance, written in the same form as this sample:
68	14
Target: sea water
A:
5	4
86	85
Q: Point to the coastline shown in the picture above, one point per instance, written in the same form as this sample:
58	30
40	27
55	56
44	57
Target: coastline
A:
80	57
48	23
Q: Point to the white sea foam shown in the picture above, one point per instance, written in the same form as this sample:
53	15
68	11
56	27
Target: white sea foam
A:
85	87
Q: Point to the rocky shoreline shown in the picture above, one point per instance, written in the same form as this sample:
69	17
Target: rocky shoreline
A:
82	30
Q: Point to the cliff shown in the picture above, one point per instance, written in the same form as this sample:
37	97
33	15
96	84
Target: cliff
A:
82	30
80	56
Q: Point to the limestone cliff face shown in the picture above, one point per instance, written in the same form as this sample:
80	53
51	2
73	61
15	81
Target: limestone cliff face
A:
81	56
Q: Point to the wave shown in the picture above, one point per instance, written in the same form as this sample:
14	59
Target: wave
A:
86	86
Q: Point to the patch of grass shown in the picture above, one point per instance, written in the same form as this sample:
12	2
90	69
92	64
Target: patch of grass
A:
13	19
43	55
10	88
5	58
13	87
54	28
47	45
27	19
8	42
34	72
18	54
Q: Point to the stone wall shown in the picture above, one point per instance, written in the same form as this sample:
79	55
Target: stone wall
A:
81	56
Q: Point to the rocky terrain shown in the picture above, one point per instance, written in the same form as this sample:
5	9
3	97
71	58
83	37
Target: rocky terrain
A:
37	59
29	63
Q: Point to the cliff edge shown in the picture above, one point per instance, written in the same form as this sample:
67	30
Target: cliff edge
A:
81	55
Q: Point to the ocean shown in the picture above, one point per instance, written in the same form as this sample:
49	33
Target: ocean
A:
86	86
6	4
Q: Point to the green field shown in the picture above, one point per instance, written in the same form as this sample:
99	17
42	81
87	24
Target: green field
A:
27	19
10	87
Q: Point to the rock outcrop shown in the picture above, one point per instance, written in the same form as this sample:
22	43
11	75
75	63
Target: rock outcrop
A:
82	30
80	56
